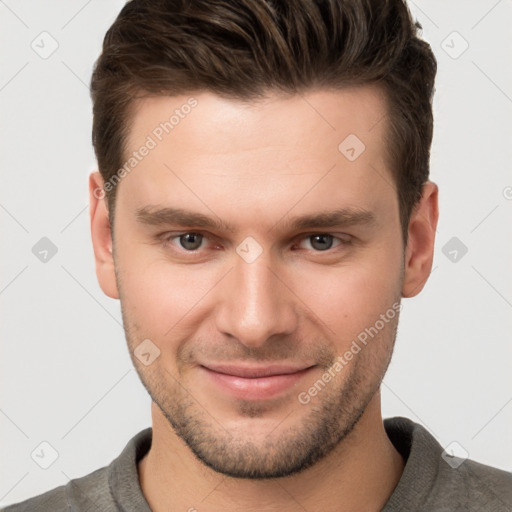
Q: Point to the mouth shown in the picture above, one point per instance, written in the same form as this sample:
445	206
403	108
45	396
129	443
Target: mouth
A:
254	383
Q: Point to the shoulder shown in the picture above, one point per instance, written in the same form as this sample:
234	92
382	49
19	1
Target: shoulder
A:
434	480
108	489
90	492
54	500
476	485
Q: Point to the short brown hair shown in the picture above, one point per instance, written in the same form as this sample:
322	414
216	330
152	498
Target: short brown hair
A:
245	48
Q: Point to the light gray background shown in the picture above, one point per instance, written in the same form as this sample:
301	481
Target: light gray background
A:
66	376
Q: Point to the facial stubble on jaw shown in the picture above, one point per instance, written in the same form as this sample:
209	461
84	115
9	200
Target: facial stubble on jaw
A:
284	451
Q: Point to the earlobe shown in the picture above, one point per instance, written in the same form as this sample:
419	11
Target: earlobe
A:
101	236
419	252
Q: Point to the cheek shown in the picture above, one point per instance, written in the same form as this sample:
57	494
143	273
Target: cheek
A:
350	298
157	293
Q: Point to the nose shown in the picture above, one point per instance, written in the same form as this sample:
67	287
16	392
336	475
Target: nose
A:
255	302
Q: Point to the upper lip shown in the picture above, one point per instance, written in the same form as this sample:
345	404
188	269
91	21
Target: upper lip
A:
255	371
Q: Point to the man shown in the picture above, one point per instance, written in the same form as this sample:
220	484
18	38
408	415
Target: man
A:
261	207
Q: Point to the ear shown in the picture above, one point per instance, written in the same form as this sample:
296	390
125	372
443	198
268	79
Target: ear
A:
419	252
101	236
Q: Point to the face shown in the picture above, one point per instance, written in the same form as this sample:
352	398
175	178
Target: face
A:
249	242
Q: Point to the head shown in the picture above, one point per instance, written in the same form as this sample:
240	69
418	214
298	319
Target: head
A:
263	198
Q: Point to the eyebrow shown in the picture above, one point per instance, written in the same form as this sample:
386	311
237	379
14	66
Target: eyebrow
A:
154	216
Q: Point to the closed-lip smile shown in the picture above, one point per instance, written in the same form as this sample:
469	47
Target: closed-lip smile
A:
255	382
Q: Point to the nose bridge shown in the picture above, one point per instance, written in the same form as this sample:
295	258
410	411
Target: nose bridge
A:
255	305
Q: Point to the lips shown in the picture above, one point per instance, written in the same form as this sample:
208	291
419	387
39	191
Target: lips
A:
251	382
252	372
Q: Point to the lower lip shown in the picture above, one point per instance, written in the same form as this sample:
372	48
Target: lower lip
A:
259	388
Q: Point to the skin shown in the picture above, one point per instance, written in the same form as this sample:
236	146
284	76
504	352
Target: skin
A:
256	166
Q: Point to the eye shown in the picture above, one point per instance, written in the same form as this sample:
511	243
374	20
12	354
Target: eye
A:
318	242
324	241
187	241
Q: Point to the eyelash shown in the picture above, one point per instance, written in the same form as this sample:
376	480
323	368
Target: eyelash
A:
168	237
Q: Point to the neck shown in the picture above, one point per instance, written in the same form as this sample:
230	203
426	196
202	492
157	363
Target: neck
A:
359	474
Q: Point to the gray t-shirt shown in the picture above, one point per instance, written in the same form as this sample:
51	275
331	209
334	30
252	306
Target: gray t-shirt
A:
429	483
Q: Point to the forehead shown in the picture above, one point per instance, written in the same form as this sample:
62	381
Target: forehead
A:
278	118
323	145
